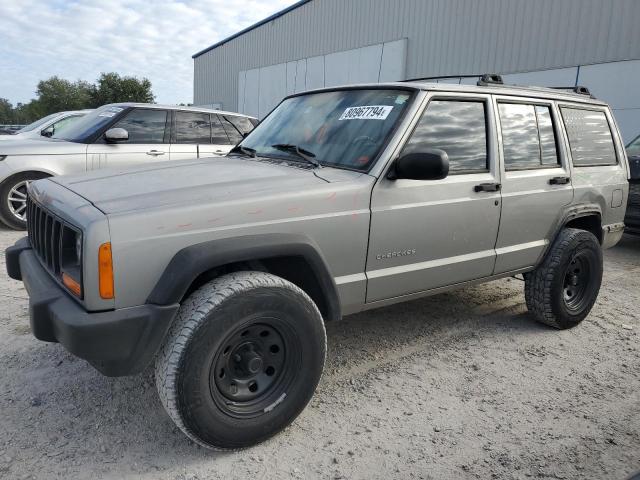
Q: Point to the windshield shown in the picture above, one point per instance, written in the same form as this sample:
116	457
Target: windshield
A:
37	123
633	149
87	126
344	128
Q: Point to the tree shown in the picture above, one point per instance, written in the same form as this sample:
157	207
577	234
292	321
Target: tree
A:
57	94
6	111
112	88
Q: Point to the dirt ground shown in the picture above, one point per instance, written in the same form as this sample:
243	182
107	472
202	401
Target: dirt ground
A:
460	385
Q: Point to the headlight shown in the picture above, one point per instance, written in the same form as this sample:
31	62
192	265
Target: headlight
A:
71	260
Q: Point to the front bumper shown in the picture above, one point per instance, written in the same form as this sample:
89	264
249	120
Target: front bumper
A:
117	342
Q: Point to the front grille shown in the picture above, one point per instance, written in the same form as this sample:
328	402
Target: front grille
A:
46	235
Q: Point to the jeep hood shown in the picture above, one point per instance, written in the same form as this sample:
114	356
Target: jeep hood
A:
196	182
41	146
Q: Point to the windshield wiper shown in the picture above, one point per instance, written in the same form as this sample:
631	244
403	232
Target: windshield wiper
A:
249	152
301	152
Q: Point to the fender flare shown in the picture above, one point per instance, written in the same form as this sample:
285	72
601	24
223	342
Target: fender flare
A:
194	260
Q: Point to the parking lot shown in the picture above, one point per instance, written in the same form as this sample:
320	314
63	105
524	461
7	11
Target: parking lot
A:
459	385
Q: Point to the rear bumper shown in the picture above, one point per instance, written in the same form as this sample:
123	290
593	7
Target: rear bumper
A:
118	342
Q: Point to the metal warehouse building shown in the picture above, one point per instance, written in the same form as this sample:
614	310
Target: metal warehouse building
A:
318	43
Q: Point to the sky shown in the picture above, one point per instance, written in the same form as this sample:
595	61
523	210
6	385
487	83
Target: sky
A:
142	38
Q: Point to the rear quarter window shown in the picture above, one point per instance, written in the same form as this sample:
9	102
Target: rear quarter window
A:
590	138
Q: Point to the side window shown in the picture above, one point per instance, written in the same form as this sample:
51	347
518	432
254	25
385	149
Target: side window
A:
241	123
633	149
144	125
457	127
218	135
590	137
193	127
528	138
233	131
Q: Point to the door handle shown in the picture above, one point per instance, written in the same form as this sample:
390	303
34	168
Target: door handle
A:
488	187
559	180
155	153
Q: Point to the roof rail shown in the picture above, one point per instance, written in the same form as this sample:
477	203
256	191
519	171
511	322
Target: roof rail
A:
490	79
582	90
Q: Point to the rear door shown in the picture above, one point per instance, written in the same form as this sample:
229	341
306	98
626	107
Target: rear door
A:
220	143
536	180
191	129
430	234
148	141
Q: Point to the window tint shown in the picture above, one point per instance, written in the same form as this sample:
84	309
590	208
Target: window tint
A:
548	149
458	128
528	139
218	135
144	126
233	131
590	138
193	127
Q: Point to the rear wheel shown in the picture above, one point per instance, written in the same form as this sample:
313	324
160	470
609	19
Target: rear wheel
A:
13	199
242	360
563	289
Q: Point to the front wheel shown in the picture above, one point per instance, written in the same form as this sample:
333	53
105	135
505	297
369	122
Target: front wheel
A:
563	289
242	360
13	199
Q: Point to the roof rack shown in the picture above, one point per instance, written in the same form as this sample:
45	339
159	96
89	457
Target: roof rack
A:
579	89
490	79
495	79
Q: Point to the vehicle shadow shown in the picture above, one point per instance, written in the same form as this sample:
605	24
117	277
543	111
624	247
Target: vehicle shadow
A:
68	410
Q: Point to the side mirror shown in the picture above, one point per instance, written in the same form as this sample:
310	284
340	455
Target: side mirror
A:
427	164
48	132
116	135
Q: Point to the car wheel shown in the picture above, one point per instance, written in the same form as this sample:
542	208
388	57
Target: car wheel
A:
13	199
563	289
242	360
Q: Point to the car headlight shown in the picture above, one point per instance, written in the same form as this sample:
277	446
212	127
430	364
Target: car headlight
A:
71	260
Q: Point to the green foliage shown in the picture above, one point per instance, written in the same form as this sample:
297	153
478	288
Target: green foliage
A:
57	94
112	88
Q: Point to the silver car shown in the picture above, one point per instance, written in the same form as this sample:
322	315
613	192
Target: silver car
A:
116	135
47	126
222	273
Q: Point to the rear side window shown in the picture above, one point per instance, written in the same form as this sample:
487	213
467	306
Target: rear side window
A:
528	138
590	137
193	127
144	126
457	127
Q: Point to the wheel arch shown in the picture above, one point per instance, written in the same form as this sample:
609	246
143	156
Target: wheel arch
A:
591	221
293	257
15	173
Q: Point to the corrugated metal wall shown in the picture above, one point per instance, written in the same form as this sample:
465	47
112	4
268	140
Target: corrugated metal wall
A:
445	37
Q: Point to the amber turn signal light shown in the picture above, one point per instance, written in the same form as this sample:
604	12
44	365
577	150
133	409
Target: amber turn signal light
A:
71	284
105	271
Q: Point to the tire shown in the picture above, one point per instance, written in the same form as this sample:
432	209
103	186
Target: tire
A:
562	290
253	330
10	200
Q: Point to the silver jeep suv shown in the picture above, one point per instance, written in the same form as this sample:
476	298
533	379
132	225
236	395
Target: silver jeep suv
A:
222	272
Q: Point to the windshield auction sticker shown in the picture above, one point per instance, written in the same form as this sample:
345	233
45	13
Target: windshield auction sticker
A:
367	112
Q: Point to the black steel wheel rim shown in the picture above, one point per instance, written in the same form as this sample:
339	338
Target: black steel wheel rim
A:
254	368
577	282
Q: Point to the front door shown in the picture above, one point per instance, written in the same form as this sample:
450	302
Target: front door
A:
429	234
148	141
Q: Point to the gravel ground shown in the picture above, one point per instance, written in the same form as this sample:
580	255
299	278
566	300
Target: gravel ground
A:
460	385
